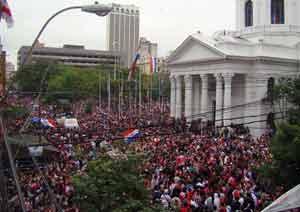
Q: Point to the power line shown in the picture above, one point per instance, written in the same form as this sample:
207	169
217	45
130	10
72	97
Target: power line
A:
161	134
224	109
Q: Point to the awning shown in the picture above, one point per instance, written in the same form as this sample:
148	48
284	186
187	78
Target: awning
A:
288	201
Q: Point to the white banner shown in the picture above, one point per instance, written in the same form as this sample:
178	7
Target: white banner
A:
36	151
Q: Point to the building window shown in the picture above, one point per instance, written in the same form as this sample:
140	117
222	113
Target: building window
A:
249	13
277	12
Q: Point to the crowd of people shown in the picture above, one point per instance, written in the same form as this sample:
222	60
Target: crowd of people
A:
185	170
193	172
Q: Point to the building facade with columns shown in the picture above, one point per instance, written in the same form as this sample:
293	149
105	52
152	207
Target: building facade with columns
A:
226	77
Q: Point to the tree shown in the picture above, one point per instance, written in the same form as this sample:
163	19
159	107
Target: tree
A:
30	77
285	149
285	145
73	83
287	94
112	185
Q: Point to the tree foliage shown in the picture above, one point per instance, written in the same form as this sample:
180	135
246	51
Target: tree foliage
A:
67	82
30	77
285	145
287	94
285	148
112	185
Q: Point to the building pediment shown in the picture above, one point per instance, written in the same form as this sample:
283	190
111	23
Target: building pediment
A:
192	50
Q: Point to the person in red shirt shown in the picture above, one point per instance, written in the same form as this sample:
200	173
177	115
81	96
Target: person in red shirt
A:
184	207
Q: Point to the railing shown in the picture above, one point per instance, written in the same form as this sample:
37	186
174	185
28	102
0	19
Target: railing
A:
268	28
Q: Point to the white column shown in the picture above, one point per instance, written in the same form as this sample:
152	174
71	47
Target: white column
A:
227	97
188	81
178	97
256	90
173	96
219	99
204	95
196	97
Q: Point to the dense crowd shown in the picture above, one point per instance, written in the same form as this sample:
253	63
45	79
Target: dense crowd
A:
185	171
194	172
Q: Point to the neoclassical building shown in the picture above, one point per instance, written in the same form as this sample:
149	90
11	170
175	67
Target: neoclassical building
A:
225	77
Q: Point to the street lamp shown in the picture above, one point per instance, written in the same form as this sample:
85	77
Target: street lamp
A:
98	9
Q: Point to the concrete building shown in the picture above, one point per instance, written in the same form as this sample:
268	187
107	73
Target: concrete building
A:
146	51
72	55
228	73
10	70
123	28
162	65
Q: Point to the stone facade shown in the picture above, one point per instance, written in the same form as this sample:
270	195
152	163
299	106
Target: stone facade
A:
228	74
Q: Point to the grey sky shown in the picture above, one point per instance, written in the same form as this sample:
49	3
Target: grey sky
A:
167	22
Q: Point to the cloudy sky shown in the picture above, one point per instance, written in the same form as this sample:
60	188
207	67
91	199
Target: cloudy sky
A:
167	22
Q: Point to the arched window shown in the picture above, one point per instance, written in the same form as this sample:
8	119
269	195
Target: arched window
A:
249	13
277	12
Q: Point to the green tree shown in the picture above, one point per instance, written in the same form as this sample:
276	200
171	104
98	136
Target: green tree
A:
285	145
286	154
30	77
112	185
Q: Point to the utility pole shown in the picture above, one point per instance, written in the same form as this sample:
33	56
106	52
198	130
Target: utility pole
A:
3	179
12	165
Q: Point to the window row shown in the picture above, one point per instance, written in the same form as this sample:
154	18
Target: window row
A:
277	12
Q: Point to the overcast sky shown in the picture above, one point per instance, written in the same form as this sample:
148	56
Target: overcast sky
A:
167	22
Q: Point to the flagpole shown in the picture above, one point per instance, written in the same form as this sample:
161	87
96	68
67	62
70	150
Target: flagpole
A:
140	91
99	76
159	93
136	95
151	90
119	95
109	94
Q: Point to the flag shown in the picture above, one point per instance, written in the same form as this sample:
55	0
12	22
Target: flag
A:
48	123
5	13
153	64
35	120
131	135
133	66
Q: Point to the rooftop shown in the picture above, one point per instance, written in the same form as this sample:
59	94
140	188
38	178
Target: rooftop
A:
69	49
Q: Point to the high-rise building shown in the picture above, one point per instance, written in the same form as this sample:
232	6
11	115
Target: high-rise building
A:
123	29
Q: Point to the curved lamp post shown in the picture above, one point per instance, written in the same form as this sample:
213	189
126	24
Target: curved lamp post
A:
98	9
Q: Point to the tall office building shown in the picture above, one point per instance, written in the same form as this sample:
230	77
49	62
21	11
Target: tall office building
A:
123	30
